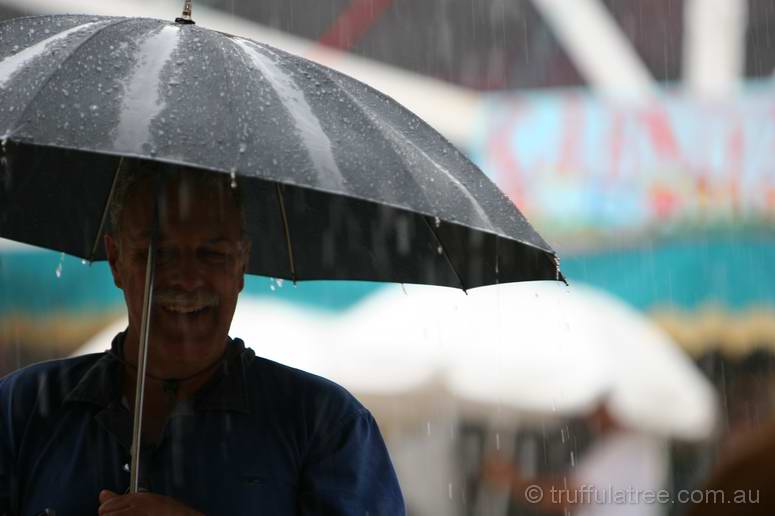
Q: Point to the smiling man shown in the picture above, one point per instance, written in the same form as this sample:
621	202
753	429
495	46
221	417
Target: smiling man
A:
224	431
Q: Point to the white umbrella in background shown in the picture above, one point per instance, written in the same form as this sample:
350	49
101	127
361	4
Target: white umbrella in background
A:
394	340
544	345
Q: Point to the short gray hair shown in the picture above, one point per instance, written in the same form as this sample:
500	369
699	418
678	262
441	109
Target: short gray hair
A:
130	172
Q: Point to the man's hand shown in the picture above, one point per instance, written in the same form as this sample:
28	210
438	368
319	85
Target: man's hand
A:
142	504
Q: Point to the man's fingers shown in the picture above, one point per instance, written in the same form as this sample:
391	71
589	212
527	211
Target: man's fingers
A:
110	503
106	494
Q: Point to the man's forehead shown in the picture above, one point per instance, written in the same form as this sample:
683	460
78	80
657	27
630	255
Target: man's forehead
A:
183	197
142	235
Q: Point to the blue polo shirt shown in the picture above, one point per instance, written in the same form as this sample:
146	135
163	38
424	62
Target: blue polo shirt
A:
259	438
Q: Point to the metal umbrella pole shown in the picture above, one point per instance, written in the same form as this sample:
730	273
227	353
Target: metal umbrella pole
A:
142	353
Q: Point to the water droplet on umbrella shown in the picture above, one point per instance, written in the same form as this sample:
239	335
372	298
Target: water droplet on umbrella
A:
58	272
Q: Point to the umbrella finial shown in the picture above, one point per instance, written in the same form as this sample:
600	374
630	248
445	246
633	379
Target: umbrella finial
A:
185	18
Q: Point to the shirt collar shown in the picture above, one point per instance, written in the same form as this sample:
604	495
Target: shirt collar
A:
101	384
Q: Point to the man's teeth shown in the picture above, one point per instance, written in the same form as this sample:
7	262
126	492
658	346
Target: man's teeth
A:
184	309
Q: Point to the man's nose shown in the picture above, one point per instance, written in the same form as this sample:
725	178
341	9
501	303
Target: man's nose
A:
185	271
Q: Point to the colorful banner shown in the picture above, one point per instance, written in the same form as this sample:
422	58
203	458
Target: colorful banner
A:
575	163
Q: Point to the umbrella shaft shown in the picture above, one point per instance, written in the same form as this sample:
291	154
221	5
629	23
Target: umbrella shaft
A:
142	357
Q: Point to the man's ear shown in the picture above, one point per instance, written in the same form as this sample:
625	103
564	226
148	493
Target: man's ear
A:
112	252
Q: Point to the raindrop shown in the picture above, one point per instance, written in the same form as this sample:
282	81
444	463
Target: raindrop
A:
279	282
84	262
242	147
93	107
497	441
403	288
233	176
572	459
439	250
59	266
449	490
437	221
428	427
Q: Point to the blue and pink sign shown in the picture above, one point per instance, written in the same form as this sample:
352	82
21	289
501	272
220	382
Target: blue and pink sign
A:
575	163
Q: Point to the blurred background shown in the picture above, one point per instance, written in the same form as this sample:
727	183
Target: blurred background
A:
636	135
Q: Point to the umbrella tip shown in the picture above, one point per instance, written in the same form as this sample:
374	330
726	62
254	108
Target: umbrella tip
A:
185	18
559	276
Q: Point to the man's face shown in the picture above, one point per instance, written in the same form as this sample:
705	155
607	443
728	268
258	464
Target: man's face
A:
200	264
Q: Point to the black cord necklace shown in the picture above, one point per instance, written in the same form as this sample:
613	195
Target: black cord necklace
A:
171	385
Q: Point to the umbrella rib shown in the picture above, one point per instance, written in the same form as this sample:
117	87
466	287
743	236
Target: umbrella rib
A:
105	210
446	255
286	230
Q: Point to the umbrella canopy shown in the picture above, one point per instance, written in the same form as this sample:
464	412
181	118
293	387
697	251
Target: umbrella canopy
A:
369	191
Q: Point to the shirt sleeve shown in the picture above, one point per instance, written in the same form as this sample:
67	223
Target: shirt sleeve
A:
348	472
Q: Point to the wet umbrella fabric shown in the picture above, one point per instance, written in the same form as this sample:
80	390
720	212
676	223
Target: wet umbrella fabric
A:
368	190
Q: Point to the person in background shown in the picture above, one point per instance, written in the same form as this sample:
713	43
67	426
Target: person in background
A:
620	466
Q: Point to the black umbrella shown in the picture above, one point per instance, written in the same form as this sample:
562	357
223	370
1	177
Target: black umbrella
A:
339	181
397	200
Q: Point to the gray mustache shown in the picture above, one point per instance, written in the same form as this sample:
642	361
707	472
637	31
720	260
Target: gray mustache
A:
182	297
